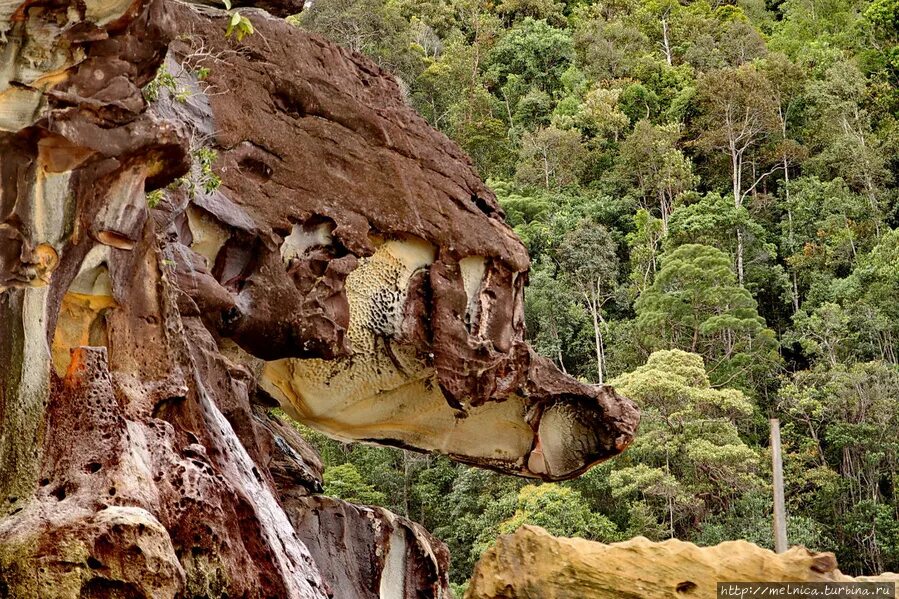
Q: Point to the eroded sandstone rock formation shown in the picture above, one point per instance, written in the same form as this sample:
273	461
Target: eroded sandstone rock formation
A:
313	243
532	564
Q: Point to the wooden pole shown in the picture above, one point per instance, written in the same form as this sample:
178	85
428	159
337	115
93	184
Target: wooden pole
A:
780	512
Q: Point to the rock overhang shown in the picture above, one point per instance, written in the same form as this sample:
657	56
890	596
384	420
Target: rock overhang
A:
384	290
344	236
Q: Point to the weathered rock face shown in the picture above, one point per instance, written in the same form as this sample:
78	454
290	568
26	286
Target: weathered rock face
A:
532	564
370	552
323	248
355	251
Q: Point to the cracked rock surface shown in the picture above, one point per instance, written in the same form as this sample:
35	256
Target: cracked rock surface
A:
311	243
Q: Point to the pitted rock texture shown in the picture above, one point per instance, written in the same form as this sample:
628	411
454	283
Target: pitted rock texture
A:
532	564
355	251
310	232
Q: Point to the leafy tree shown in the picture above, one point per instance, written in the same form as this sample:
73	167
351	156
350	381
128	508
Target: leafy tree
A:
645	243
711	220
871	292
689	457
843	140
555	318
696	304
476	505
883	15
739	114
345	482
600	115
807	25
561	511
551	11
589	261
550	157
535	51
788	84
849	413
655	18
607	49
829	225
749	518
372	27
655	168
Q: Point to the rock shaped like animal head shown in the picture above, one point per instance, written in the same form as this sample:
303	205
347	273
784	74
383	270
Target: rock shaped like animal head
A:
349	250
356	251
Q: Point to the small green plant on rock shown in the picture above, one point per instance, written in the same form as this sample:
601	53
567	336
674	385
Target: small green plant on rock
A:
201	176
154	197
163	79
208	180
238	25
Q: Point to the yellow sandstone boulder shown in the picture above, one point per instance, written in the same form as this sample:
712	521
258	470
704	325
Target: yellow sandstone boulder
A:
532	564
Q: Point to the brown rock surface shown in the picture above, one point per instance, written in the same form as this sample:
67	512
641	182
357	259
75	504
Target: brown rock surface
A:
532	564
317	243
356	251
369	552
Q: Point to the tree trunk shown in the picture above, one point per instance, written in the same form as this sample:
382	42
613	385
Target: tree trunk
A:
737	176
665	209
545	154
406	480
593	305
670	499
790	227
665	43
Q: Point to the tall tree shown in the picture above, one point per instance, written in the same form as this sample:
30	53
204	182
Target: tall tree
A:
689	458
788	84
850	413
696	304
843	135
551	157
645	243
562	511
589	261
533	50
738	114
658	171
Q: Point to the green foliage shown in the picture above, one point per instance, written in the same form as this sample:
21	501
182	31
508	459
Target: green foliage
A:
849	412
201	178
551	157
154	197
650	164
561	511
534	51
345	482
238	25
162	80
373	27
205	158
689	458
696	304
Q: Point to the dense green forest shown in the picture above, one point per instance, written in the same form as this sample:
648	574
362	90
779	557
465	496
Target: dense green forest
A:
708	191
